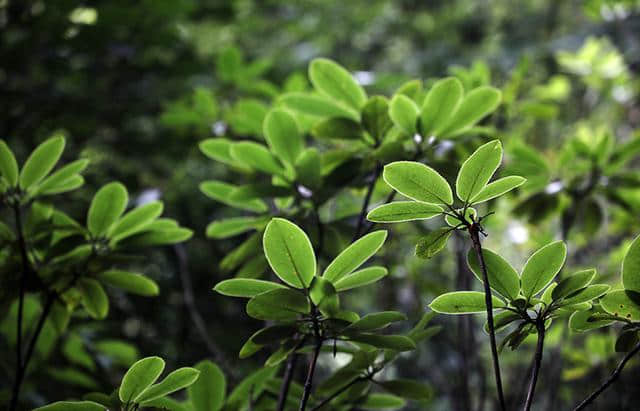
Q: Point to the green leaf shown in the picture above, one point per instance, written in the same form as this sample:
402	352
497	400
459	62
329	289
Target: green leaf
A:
622	304
463	302
390	342
375	117
309	168
219	149
418	182
283	136
8	164
502	277
334	81
257	157
208	392
470	215
360	278
586	294
140	375
72	406
542	267
106	207
278	305
377	401
476	104
439	106
289	253
406	388
581	321
245	287
234	226
60	180
355	255
177	380
498	188
404	114
273	334
316	105
136	220
433	243
501	320
573	283
477	170
400	211
119	352
132	282
221	191
337	128
631	267
324	296
94	299
41	161
375	321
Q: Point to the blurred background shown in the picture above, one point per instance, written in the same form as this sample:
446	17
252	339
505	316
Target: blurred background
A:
136	85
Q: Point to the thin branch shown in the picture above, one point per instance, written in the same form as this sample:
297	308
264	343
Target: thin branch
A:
338	392
308	384
474	230
366	201
288	376
536	365
612	378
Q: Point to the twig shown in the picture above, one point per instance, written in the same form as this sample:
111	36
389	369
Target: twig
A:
338	392
366	201
288	376
612	378
537	364
308	384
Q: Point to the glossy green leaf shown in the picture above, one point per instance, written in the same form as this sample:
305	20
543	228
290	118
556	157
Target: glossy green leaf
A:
404	114
132	282
234	226
463	302
375	321
221	191
289	252
257	156
245	287
375	117
324	296
139	377
477	170
317	105
573	283
391	342
418	181
360	278
400	211
94	299
355	255
176	380
334	81
622	304
498	188
106	207
337	128
477	104
586	295
41	161
378	401
309	168
8	164
219	149
542	267
502	276
582	321
283	135
60	180
434	242
278	305
136	220
72	406
631	267
440	105
208	392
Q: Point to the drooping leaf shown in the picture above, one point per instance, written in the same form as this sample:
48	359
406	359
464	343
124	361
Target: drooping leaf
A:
208	392
94	299
283	136
404	114
440	104
502	276
573	283
289	253
418	181
477	104
477	170
132	282
106	207
400	211
375	117
498	188
463	302
360	278
41	161
278	305
355	255
434	242
140	375
8	164
245	287
334	81
631	267
542	267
